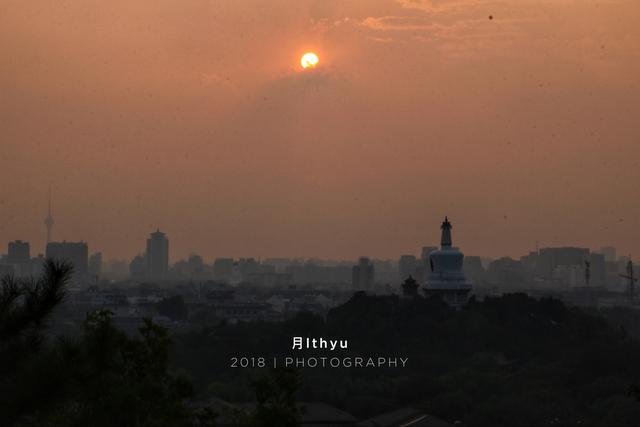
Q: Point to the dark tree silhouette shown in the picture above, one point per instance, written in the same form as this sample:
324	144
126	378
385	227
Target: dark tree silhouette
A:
25	306
275	401
99	378
173	307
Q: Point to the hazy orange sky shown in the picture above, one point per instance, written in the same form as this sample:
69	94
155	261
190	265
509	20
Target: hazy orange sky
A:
193	116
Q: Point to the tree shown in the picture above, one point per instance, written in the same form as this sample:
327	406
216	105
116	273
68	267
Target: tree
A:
99	378
173	307
117	380
276	402
25	307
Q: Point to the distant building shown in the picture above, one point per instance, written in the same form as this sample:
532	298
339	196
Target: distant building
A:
280	264
95	264
530	263
407	266
18	260
248	267
310	273
157	256
549	259
192	268
569	275
506	271
117	269
223	269
609	253
362	275
77	253
242	311
198	270
270	279
473	268
217	293
18	252
138	267
196	265
612	273
386	270
446	278
598	269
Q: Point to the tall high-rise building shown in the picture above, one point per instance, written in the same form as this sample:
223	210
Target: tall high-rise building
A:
363	274
18	252
77	253
157	255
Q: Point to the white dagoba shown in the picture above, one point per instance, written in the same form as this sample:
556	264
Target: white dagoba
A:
446	278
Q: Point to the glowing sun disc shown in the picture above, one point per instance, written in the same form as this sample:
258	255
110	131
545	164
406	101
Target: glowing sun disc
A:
309	60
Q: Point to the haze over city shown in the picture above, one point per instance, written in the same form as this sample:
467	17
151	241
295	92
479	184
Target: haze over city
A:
518	119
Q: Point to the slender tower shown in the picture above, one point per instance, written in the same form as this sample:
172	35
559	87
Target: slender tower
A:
48	221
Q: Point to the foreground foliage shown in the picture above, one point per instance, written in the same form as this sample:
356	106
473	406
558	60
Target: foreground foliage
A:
505	361
100	378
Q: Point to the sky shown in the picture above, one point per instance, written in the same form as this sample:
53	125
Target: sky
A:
519	119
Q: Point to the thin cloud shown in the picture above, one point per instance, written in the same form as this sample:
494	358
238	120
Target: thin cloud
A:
445	6
382	39
396	23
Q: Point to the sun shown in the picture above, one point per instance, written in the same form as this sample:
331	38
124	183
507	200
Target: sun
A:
309	60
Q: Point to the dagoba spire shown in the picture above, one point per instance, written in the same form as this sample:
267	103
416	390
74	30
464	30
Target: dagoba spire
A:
445	241
446	278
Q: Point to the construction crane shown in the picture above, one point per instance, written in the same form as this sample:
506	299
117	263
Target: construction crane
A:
587	273
587	281
630	282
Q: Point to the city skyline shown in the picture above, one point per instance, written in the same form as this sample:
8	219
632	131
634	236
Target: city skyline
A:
416	254
213	253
